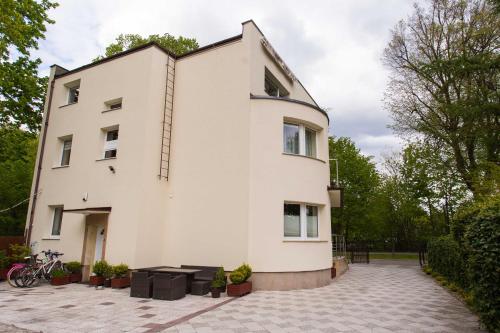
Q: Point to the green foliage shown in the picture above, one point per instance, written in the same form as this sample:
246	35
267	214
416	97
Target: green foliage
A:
17	159
237	277
359	178
4	260
120	270
73	267
447	258
178	46
241	274
18	252
220	278
446	91
483	242
58	273
102	268
22	24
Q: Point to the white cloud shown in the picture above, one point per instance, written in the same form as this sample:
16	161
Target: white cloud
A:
334	47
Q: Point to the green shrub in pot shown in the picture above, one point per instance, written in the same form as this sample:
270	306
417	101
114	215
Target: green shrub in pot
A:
120	270
101	268
74	267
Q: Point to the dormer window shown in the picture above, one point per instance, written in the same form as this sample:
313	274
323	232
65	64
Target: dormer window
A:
273	87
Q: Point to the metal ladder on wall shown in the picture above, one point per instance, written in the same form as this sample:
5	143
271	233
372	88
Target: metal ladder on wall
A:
168	109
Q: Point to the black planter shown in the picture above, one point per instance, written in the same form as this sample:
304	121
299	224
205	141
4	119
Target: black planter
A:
215	292
107	283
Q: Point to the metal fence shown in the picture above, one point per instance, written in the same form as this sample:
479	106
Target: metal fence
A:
338	246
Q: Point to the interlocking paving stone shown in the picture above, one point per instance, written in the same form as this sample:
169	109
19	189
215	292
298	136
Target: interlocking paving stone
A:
368	298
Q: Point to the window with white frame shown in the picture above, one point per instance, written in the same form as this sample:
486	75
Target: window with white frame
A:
300	221
299	140
66	151
57	221
272	86
73	91
111	143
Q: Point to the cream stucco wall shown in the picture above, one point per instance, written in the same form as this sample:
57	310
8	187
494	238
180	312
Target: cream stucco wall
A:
228	177
134	189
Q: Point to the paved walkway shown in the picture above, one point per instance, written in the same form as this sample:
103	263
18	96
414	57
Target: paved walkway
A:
388	297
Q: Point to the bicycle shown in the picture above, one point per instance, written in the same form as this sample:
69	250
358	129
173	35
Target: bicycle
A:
31	275
14	274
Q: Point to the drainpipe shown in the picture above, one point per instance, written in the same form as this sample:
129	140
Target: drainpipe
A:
38	169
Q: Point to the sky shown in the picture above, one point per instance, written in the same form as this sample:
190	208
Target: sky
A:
333	46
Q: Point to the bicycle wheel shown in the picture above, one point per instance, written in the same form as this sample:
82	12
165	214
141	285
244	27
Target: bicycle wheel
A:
30	278
13	274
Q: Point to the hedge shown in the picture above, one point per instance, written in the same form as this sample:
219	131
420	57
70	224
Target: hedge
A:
470	258
482	238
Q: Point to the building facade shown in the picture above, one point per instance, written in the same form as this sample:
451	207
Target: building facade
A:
216	157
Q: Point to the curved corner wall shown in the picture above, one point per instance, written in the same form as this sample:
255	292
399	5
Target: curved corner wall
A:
282	263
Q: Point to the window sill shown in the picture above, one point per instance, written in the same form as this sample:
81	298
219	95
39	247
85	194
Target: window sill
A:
111	110
106	159
60	166
304	241
63	106
309	157
52	238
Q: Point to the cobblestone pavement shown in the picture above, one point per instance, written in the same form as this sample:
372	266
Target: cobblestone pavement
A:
368	298
80	308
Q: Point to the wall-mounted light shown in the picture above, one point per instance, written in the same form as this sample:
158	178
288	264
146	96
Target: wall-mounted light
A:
111	168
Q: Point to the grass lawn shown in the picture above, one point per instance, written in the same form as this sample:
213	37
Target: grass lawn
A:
397	255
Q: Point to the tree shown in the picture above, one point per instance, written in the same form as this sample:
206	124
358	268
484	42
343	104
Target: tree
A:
17	159
22	24
444	85
358	176
178	46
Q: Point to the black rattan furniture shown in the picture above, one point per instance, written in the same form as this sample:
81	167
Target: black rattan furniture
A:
141	285
207	273
168	287
200	288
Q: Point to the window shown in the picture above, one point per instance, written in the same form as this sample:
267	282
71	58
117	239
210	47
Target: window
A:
111	143
56	221
299	140
300	221
66	151
72	91
272	86
113	104
291	138
310	142
312	221
292	220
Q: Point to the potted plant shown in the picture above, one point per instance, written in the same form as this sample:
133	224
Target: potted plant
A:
108	274
75	271
121	278
99	269
4	265
59	277
240	286
219	283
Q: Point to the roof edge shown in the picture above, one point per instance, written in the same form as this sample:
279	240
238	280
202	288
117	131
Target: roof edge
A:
291	100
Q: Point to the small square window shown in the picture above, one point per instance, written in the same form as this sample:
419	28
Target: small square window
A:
72	91
113	104
57	221
272	86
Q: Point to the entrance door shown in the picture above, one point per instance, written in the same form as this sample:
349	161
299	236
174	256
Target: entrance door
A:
99	241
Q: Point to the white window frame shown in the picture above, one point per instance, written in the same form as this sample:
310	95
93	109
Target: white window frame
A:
303	222
109	145
69	87
302	139
63	143
54	208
